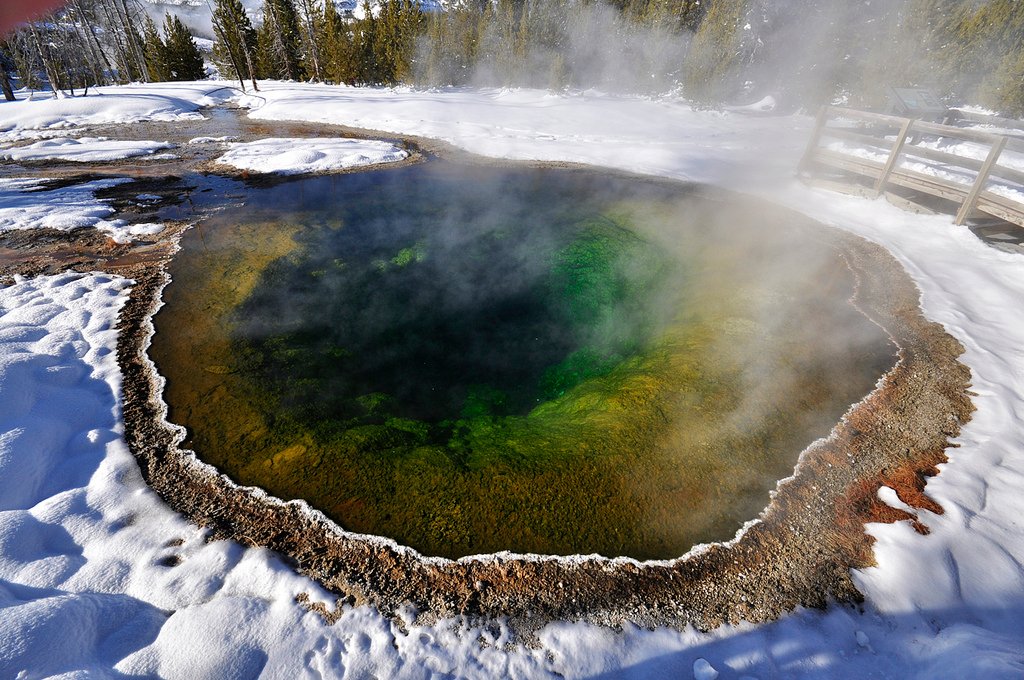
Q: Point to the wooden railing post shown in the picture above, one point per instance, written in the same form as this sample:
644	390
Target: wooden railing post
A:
893	156
808	157
980	181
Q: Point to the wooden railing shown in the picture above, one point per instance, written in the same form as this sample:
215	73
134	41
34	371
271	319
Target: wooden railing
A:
898	139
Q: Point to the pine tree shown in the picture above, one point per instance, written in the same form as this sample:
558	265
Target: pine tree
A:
1006	87
235	44
277	42
364	41
155	51
397	26
716	53
447	56
990	39
183	60
335	44
499	27
309	15
676	15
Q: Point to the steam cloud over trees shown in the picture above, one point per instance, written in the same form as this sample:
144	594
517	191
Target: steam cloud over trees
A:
803	52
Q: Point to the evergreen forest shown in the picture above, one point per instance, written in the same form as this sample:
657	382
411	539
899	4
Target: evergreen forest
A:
803	52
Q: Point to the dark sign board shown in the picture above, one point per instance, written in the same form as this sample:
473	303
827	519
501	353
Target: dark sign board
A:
915	103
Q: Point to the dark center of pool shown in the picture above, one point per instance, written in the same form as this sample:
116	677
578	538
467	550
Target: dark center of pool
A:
492	307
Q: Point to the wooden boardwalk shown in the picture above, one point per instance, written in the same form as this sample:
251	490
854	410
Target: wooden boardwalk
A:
876	149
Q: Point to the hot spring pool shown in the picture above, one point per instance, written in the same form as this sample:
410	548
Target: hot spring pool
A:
470	359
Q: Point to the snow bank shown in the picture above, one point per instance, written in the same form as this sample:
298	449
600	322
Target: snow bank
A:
27	204
663	137
98	577
83	149
24	134
297	156
125	104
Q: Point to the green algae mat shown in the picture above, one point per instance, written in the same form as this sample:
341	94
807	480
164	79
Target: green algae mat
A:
474	359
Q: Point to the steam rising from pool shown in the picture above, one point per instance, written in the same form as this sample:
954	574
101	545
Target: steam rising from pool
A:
472	359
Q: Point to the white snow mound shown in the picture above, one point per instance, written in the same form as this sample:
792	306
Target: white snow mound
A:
285	156
83	149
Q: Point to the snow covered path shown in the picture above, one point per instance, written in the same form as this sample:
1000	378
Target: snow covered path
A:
98	577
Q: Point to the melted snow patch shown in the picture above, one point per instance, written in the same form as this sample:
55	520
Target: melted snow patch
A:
296	156
28	204
213	140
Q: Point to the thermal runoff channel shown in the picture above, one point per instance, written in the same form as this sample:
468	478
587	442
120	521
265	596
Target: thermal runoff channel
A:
469	359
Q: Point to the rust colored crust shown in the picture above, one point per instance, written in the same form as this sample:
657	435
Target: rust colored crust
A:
800	553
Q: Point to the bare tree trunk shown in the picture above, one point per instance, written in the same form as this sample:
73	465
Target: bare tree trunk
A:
309	29
62	42
132	54
282	54
130	36
78	21
248	58
47	61
140	49
5	82
122	54
292	67
99	55
218	29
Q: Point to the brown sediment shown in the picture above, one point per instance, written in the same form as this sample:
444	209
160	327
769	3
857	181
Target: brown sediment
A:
35	252
800	552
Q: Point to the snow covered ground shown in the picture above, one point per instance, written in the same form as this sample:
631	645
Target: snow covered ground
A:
125	104
296	156
26	203
99	579
83	149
